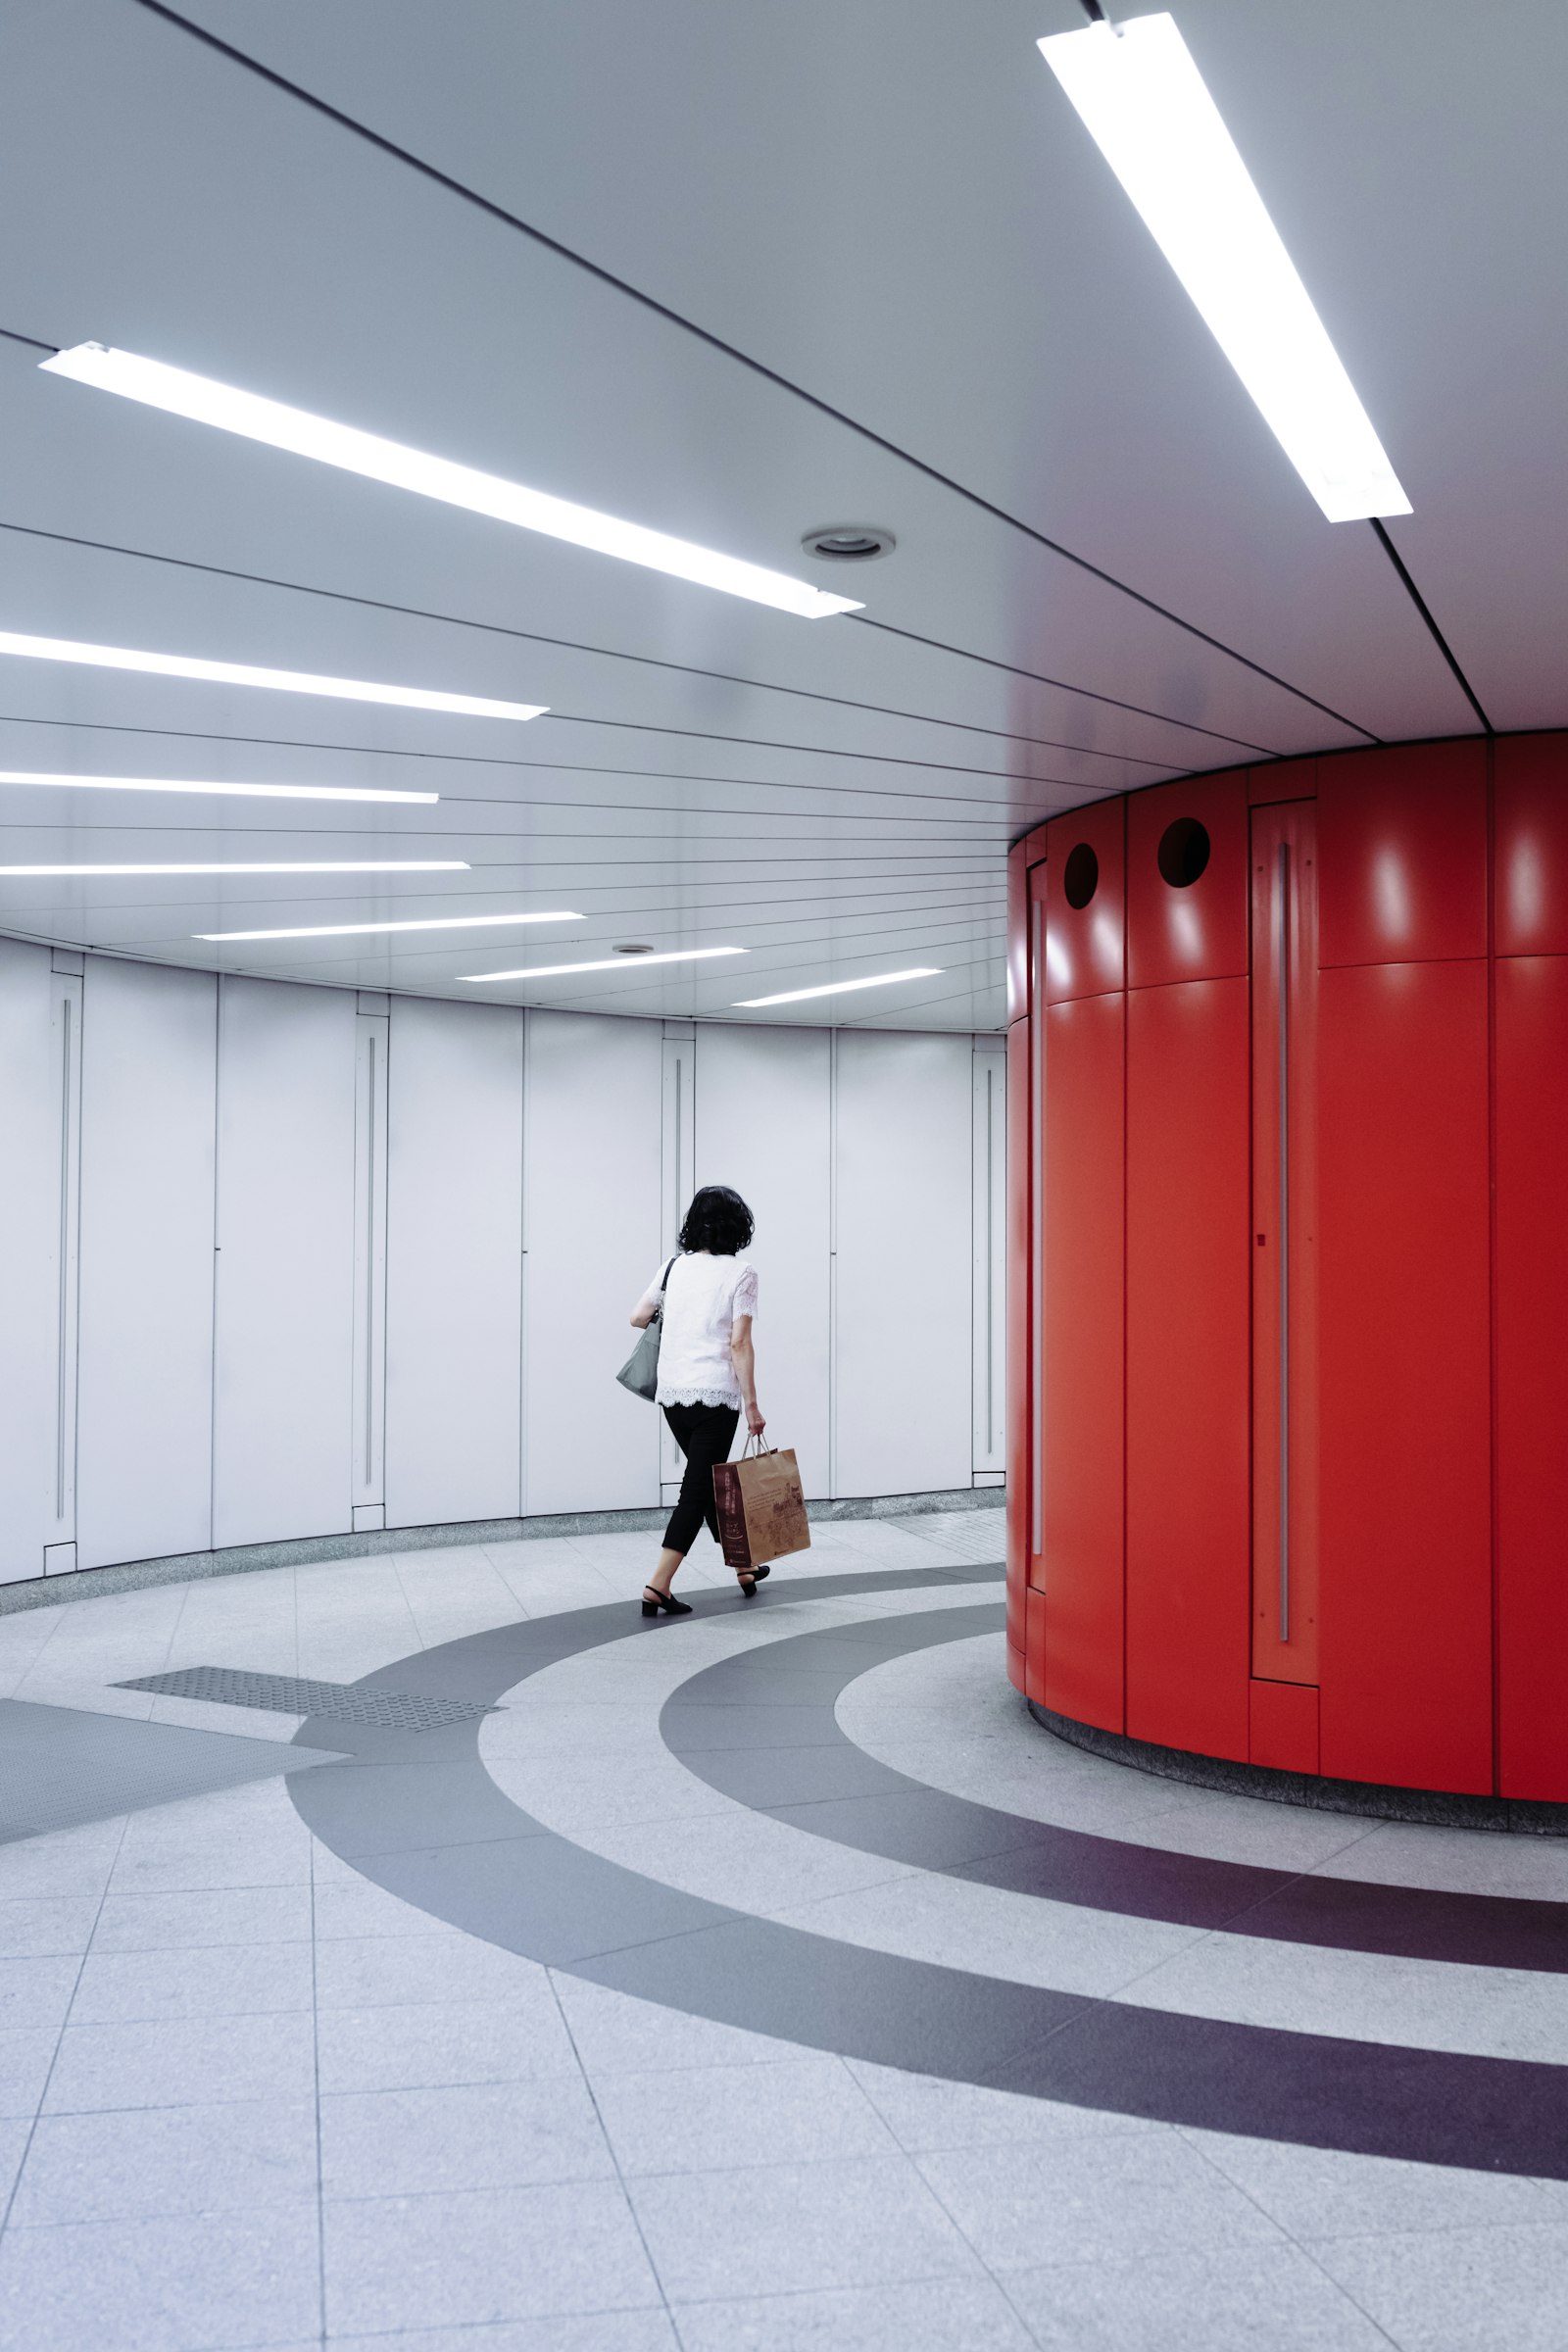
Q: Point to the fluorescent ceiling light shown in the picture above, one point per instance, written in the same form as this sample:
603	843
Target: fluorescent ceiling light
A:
1148	110
440	922
605	964
308	436
840	988
244	674
252	792
350	865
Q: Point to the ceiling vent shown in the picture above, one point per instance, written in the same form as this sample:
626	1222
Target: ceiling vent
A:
849	543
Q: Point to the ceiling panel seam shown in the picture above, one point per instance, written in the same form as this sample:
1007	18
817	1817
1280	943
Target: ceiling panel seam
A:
606	653
759	368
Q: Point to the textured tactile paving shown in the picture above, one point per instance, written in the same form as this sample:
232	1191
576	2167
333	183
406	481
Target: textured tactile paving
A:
289	1695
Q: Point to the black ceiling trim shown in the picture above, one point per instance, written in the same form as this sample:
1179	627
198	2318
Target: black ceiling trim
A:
730	351
1425	610
602	652
561	767
813	751
33	342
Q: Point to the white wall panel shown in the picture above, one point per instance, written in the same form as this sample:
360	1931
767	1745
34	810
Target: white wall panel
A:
284	1379
902	1317
144	1474
594	1235
454	1309
31	1093
989	1256
763	1125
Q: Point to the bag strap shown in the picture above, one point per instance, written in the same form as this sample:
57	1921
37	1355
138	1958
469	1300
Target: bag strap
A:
664	1284
754	1441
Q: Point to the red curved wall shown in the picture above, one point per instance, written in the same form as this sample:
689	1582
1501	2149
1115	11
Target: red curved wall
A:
1287	1233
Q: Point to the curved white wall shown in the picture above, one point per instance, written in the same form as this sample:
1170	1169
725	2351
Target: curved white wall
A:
283	1262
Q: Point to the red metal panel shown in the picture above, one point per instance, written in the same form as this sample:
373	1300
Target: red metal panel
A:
1020	1401
1036	1211
1034	1661
1086	946
1532	1116
1283	1726
1402	853
1285	1242
1531	872
1084	1239
1404	1405
1189	1403
1282	780
1198	930
1017	932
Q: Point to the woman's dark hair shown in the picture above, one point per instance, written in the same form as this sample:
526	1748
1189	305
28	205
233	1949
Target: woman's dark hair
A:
718	1220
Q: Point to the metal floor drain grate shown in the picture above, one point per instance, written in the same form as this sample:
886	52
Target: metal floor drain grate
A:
288	1694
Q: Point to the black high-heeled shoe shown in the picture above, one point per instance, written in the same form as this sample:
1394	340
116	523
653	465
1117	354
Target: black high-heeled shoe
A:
664	1601
751	1578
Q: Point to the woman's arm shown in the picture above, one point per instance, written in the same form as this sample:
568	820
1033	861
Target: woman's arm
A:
646	1309
743	1355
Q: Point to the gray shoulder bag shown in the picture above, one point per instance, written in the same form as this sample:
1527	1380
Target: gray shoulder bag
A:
639	1371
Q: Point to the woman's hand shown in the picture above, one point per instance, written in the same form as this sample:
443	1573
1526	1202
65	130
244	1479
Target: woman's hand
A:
753	1420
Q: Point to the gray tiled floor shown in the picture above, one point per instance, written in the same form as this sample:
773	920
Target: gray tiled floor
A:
250	2099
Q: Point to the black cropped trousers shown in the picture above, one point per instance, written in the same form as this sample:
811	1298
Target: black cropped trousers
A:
705	1434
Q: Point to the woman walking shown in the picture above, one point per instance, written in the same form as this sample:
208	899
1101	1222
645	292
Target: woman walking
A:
707	1371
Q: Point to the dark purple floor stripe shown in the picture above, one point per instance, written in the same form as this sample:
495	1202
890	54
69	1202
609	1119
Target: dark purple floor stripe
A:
418	1813
819	1780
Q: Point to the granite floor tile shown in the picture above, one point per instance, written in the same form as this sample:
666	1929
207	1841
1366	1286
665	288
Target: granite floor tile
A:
934	2315
424	2044
597	2331
1322	2192
1254	2299
706	2119
36	1992
360	1972
26	2057
476	2257
225	1917
199	1981
45	1926
1459	2290
619	2033
190	2062
1088	2196
927	2115
390	2143
791	2229
166	2284
65	1863
131	2163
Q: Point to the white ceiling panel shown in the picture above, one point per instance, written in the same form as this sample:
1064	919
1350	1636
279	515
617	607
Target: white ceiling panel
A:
824	265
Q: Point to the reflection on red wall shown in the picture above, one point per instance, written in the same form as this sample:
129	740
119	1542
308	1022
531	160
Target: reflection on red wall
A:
1288	1222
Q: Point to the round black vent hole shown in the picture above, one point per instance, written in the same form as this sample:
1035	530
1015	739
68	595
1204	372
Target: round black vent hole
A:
1081	875
1183	852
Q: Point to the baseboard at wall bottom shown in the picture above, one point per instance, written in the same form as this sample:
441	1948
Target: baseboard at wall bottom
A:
241	1559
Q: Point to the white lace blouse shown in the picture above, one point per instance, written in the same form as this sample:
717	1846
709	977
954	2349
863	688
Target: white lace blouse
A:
702	1299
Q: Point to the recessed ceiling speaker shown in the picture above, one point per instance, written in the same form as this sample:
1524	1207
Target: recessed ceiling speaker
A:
849	543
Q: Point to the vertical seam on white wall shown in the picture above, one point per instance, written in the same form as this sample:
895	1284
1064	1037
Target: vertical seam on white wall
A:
523	1263
833	1265
218	1246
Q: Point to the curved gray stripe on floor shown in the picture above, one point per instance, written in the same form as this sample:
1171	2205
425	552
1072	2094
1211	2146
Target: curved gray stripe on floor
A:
760	1728
419	1814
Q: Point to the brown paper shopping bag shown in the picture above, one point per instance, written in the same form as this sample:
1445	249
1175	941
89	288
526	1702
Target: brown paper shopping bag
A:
760	1509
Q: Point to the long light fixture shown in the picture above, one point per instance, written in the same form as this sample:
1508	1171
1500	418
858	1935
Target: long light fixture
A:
246	674
249	792
439	922
1150	112
273	421
603	963
839	987
333	865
